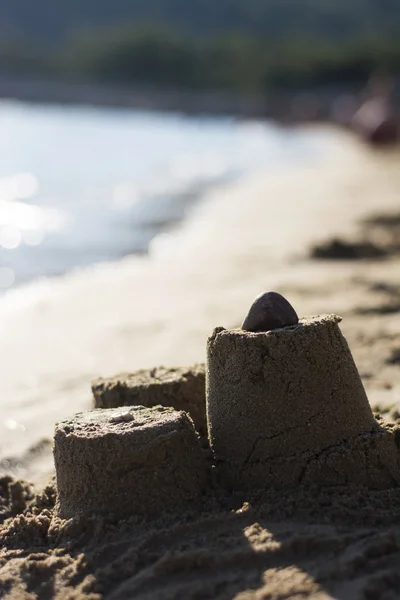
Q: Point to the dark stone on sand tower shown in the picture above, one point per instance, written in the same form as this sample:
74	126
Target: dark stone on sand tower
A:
270	311
181	388
139	461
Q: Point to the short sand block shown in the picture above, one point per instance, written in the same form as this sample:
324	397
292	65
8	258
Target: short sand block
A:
181	388
135	461
288	407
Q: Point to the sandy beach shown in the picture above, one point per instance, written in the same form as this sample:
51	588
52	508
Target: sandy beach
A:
57	336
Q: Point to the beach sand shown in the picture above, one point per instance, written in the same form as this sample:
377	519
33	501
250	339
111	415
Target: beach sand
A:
247	238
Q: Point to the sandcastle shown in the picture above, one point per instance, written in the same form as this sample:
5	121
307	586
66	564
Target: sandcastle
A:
285	406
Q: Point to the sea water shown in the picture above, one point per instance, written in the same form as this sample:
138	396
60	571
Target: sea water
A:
82	185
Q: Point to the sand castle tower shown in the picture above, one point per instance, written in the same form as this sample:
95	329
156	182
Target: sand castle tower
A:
286	405
136	462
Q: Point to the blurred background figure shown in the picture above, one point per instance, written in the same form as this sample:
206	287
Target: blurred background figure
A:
344	108
377	120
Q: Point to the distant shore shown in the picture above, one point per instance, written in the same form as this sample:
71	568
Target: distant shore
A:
284	106
196	102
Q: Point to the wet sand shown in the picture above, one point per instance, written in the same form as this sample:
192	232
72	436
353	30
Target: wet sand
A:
319	543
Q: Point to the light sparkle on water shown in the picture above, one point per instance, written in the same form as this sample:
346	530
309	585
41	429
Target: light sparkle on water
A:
10	237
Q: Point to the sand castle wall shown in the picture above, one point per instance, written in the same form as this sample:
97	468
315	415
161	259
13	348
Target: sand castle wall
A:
181	388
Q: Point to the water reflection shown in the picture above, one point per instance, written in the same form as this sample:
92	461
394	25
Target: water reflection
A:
21	186
22	222
10	237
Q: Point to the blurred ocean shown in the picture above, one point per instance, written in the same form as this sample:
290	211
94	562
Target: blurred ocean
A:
83	185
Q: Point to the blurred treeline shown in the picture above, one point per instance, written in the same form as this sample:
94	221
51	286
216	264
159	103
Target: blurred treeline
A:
233	44
54	20
163	57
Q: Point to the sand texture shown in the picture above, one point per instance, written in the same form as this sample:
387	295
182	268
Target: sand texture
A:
181	388
140	461
340	543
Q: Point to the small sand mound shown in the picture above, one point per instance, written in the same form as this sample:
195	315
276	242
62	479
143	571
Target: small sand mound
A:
339	249
378	237
15	495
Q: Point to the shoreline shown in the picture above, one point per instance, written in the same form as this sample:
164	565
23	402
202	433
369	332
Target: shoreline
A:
272	105
216	103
